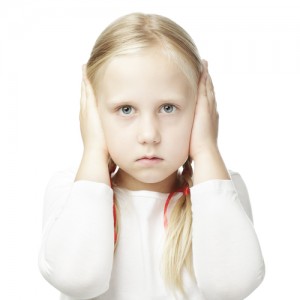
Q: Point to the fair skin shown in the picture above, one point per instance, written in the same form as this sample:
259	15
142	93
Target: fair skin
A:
145	108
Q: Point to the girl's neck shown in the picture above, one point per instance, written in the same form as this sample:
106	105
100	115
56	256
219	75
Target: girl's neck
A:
124	180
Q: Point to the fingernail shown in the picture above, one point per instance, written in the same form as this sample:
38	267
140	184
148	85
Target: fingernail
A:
83	68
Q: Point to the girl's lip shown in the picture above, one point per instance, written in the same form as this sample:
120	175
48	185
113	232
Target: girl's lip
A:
149	160
149	157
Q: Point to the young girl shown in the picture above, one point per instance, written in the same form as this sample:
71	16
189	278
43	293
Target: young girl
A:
136	221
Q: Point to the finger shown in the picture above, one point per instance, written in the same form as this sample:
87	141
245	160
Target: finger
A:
83	96
91	100
203	80
90	95
83	88
84	71
209	88
210	91
84	77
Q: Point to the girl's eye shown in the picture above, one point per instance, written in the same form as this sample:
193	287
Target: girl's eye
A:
126	110
169	108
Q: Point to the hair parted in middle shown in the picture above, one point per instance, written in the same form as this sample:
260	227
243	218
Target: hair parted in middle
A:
129	34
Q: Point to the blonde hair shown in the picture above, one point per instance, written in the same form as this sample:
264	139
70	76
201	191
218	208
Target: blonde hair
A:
129	34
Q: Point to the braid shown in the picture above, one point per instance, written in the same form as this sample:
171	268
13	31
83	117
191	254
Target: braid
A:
187	175
116	212
187	172
177	252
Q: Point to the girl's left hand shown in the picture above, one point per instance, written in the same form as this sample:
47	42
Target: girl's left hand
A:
206	120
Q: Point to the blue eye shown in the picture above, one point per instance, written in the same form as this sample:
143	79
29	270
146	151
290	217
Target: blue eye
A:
169	108
126	110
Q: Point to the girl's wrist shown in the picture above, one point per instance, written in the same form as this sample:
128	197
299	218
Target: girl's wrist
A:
209	165
211	149
96	151
93	166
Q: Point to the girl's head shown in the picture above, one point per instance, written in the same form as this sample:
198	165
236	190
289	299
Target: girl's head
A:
145	71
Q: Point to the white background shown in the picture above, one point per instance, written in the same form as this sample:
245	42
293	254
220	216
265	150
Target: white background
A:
253	50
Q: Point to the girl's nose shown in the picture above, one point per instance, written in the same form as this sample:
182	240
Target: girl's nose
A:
148	131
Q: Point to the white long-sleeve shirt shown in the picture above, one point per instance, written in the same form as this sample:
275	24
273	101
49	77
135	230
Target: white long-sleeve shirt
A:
77	257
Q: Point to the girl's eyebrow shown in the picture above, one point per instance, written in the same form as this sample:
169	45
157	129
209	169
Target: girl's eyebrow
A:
121	101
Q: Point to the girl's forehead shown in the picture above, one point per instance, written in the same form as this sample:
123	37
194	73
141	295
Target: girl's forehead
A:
145	82
152	66
151	58
146	71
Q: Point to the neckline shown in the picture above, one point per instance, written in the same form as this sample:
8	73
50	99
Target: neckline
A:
141	193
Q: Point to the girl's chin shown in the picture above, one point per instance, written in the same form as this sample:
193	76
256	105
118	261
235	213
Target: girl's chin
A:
154	182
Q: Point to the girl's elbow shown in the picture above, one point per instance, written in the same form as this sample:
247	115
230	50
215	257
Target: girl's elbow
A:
251	281
258	276
234	288
78	284
81	287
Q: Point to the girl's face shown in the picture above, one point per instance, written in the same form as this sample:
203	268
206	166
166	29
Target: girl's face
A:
147	109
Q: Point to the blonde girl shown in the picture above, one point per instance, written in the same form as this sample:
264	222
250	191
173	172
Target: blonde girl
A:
135	220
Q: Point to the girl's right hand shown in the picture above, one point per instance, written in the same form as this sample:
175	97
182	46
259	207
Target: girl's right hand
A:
90	122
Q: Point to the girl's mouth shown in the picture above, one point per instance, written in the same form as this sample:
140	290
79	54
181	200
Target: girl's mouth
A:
149	160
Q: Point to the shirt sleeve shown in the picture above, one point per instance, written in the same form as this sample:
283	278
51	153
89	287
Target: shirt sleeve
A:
76	253
227	257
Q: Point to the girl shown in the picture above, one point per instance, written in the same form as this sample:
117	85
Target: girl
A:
136	221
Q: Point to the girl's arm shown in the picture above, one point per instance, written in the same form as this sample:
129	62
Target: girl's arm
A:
77	247
94	163
227	257
76	253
